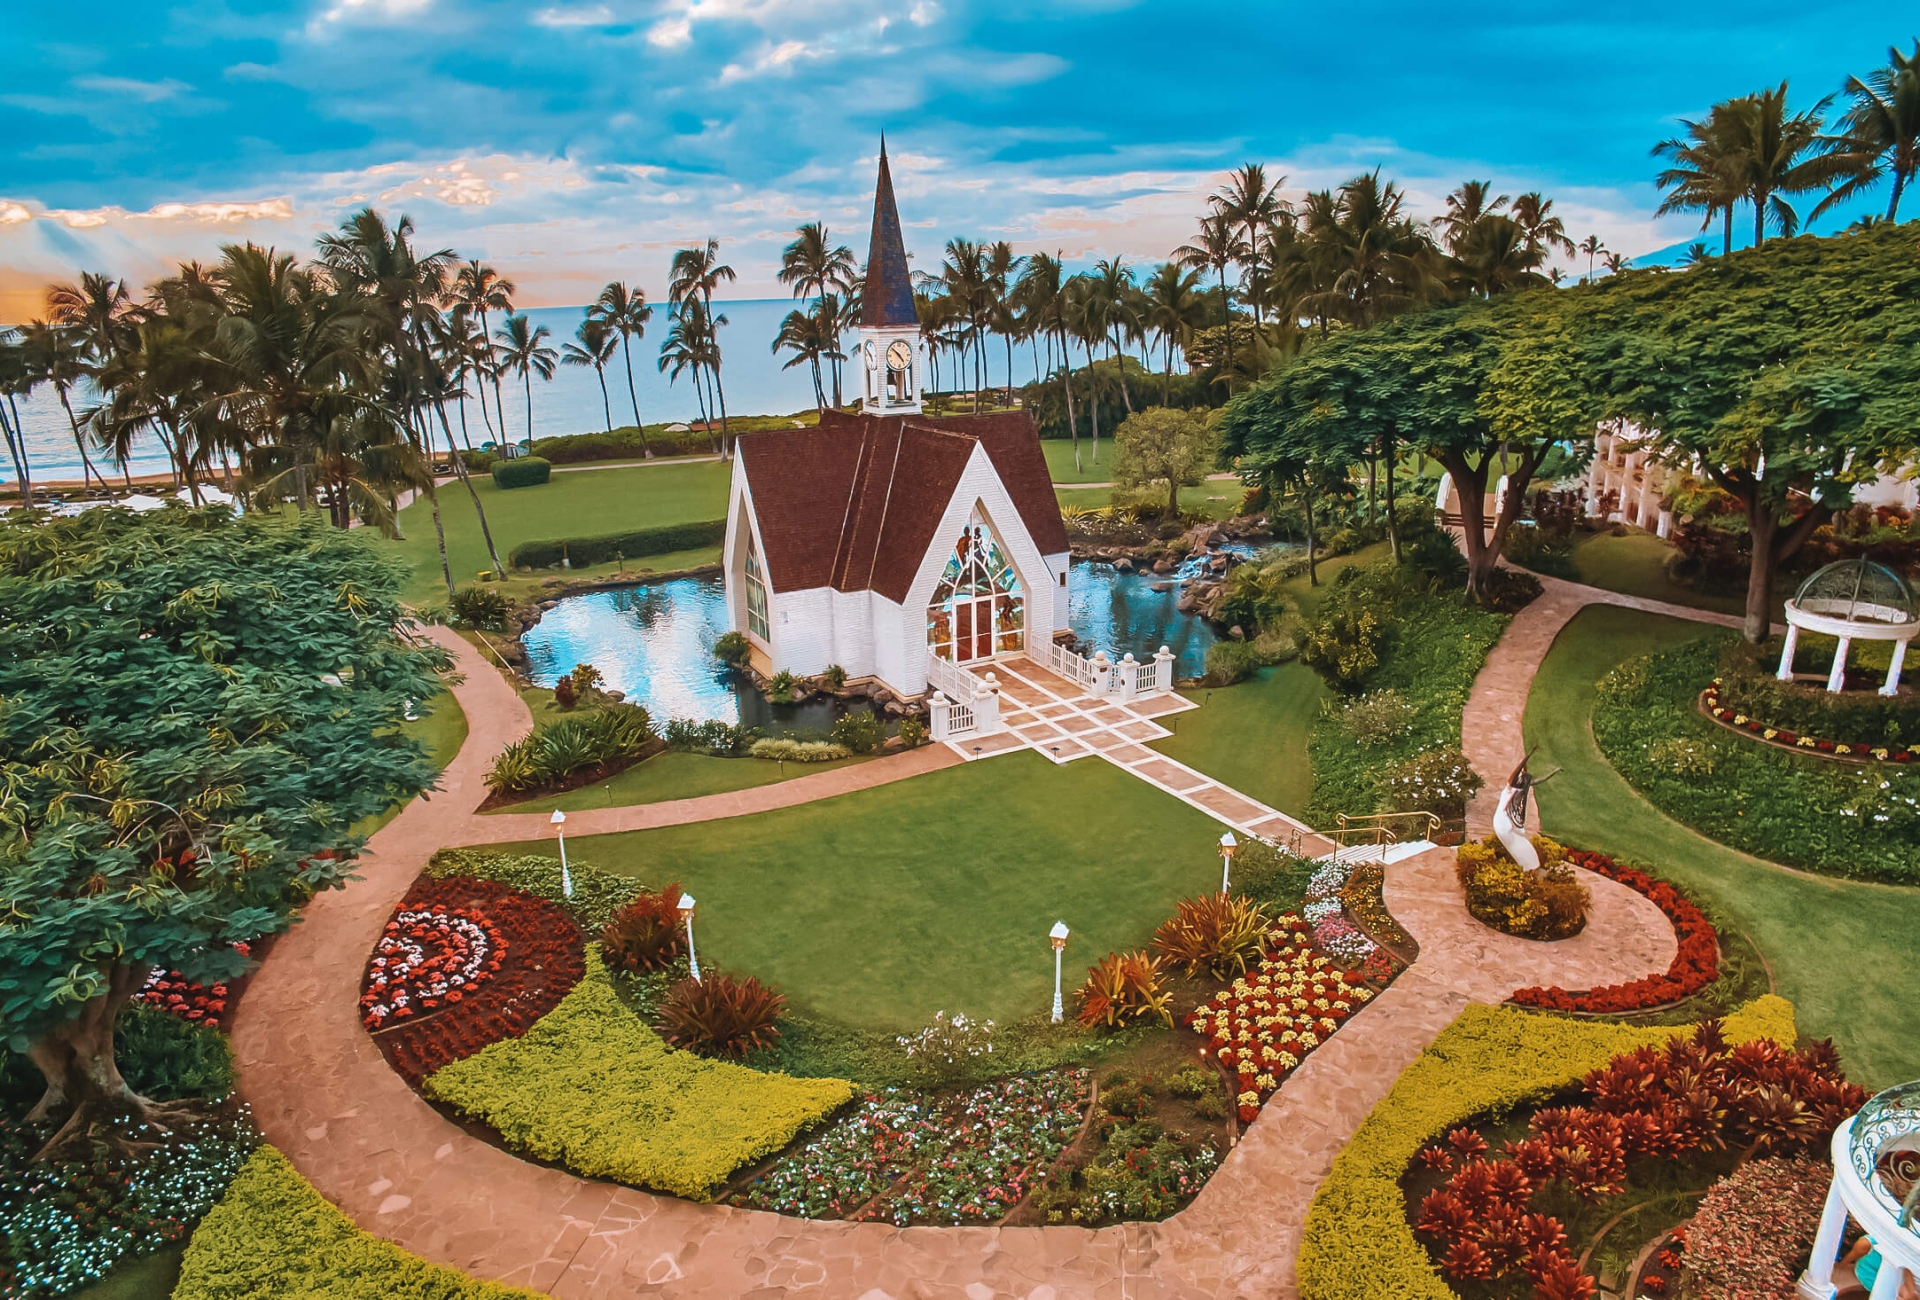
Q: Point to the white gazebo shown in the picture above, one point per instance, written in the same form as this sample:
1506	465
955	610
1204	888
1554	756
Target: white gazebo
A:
1854	600
1885	1132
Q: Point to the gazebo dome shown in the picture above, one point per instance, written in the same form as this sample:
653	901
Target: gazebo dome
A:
1873	1181
1858	591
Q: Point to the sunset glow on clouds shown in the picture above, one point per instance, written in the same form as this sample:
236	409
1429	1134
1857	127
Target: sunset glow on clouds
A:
580	140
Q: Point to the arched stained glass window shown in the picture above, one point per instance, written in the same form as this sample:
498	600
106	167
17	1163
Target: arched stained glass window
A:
977	609
757	622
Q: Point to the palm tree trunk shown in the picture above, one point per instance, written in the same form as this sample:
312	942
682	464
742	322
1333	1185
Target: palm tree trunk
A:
1726	230
526	380
465	440
86	465
1306	496
486	416
605	404
1393	523
626	349
17	450
1093	400
440	533
460	472
1759	218
1226	308
726	435
1166	386
1066	382
1899	184
1120	368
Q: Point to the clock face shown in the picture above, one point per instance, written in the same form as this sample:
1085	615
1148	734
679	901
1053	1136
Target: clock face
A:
899	356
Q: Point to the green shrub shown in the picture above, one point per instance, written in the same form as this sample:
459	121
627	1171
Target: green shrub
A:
1358	1243
1683	756
781	687
1435	555
555	750
160	1055
481	606
1343	643
596	896
1548	903
732	649
1855	820
913	731
644	935
1379	718
786	750
712	736
1272	877
1193	1082
862	732
273	1235
1437	781
1231	661
1255	596
522	471
835	677
662	539
592	1087
622	444
1747	685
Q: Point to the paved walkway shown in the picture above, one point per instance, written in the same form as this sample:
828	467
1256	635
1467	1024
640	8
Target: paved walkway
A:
1055	718
323	1095
1490	725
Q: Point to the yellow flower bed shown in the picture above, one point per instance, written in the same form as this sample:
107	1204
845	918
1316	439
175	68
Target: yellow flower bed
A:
594	1088
273	1235
1358	1243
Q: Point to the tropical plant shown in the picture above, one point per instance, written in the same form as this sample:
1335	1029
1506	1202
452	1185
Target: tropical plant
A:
524	350
624	310
555	750
1879	132
732	648
595	348
645	934
1216	933
814	267
862	732
695	273
481	290
479	605
1124	987
1177	448
721	1015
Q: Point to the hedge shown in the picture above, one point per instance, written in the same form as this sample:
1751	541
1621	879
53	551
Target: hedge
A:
592	1087
1358	1244
621	444
661	539
1747	685
273	1235
597	894
522	471
1859	821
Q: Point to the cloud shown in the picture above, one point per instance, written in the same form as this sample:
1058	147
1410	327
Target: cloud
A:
220	212
12	214
589	16
774	60
370	12
147	92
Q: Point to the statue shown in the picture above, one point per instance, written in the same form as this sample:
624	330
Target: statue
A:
1510	815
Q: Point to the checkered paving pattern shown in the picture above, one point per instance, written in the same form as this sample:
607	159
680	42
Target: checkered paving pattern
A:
1055	718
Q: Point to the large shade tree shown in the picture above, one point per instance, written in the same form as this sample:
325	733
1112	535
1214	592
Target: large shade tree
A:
195	709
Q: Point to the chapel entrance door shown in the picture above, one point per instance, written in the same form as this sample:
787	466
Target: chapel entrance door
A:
973	630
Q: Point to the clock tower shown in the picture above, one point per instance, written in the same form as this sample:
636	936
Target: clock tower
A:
891	356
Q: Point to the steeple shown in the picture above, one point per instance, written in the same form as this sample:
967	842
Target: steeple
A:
887	299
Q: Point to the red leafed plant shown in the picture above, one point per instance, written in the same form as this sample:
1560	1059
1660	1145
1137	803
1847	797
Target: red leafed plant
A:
645	934
1123	987
720	1015
535	959
1695	965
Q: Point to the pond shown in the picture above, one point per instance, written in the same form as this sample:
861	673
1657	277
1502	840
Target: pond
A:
655	643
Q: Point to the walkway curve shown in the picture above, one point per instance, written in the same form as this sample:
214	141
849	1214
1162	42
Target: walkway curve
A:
323	1095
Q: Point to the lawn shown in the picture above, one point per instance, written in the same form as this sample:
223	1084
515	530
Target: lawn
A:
878	908
1635	565
1217	498
1060	460
1841	951
584	504
1254	735
676	775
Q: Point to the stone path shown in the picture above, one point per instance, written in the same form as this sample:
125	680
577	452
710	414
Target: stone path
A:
1490	725
1057	719
323	1095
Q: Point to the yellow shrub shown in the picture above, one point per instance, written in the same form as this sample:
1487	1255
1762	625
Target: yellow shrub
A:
594	1088
273	1235
1358	1243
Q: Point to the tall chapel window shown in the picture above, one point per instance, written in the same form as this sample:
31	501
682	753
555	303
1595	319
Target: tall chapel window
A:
757	622
977	609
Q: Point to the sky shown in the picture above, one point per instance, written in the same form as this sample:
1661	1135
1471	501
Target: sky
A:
578	141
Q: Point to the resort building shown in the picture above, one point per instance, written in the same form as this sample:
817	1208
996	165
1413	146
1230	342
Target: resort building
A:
883	540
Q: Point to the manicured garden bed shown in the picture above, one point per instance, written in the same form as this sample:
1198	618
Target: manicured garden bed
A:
1847	749
1818	816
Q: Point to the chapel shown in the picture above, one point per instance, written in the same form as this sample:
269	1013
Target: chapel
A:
879	540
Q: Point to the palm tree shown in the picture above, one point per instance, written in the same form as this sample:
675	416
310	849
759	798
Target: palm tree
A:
1376	259
1696	253
524	350
1495	257
1041	294
813	267
689	346
96	315
1705	175
1780	153
1172	304
13	378
963	275
1543	231
1002	268
597	341
1083	311
1592	247
1616	263
806	337
1251	204
1218	246
52	356
484	289
1113	295
695	273
1467	207
1880	131
625	310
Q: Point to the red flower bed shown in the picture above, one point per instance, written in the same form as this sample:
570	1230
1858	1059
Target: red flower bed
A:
1786	739
1695	965
464	963
203	1004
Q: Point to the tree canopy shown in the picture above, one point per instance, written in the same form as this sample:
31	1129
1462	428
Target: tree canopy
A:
195	709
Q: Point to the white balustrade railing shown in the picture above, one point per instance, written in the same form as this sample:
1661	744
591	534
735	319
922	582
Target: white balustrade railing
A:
945	675
1057	658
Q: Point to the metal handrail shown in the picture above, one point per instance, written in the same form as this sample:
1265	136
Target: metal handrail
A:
1359	821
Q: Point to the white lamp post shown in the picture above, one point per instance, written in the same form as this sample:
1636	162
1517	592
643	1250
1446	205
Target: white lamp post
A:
686	910
1059	937
1227	845
558	821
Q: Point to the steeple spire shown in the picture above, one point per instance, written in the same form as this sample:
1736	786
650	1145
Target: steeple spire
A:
887	298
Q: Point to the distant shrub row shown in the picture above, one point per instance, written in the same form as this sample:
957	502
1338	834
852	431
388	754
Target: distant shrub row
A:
662	539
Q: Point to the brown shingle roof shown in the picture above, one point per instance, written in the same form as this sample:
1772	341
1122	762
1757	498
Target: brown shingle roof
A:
853	504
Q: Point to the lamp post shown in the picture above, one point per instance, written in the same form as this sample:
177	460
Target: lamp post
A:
1227	845
1059	937
559	821
686	910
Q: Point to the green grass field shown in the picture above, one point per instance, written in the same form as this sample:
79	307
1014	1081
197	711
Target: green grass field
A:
1254	735
1635	565
878	908
1843	952
1090	469
584	504
676	775
1219	499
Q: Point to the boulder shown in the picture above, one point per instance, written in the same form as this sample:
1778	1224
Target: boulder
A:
618	697
1123	565
895	709
1164	564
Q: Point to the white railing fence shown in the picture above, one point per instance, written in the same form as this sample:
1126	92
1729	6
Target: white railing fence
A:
946	676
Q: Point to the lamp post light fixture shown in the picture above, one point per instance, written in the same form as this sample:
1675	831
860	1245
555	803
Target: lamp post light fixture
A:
1227	846
559	821
1058	936
686	910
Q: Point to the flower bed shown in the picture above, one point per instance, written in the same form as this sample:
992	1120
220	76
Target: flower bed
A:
1266	1024
1754	1229
1325	909
174	993
916	1158
1857	751
1695	965
462	964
